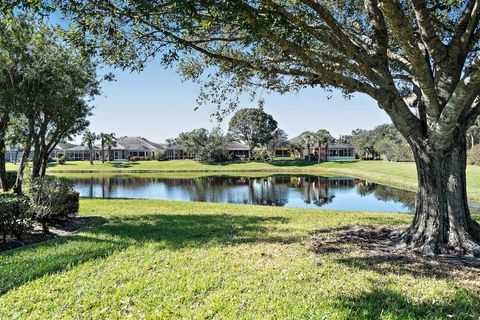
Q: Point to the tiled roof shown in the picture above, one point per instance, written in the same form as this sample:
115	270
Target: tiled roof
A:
235	145
82	148
137	143
65	146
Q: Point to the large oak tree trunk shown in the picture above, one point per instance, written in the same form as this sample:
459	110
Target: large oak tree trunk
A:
442	220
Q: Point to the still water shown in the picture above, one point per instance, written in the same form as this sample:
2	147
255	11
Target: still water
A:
302	191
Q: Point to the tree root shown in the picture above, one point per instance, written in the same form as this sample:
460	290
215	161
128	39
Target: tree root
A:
383	248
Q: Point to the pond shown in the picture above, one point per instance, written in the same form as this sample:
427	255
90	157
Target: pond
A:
301	191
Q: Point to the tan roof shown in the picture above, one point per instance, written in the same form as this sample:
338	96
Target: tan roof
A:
137	143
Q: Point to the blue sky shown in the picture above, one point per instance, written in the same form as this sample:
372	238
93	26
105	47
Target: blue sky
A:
157	105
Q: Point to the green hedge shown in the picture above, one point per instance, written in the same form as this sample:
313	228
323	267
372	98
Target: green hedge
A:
52	199
15	215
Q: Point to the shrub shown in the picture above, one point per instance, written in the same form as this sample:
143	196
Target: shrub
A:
262	154
61	159
138	158
473	155
52	199
160	155
15	215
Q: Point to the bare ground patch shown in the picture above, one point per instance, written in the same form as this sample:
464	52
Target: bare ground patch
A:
375	248
35	234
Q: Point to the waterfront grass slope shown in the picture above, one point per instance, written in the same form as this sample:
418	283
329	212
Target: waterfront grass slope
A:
164	259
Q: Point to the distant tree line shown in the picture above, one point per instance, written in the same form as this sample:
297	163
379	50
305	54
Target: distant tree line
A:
250	126
382	142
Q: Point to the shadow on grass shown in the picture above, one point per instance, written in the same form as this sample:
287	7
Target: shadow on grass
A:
56	164
106	237
374	248
124	164
178	231
382	302
304	163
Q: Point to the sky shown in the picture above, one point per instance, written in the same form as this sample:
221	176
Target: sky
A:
157	105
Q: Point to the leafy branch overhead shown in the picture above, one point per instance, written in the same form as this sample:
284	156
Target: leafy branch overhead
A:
415	54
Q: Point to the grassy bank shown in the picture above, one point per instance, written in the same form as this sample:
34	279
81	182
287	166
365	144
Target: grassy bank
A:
397	174
159	259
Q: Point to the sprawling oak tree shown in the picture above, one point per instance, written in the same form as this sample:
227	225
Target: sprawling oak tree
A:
418	59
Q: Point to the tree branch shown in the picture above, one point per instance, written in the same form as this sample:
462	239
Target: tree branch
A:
463	97
432	41
404	33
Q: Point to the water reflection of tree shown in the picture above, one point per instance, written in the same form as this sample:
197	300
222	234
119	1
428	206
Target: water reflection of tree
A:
272	190
385	193
314	190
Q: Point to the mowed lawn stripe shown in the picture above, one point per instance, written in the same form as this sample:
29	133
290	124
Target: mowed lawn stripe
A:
166	259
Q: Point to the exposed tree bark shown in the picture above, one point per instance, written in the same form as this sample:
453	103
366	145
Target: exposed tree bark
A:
442	220
44	165
18	187
3	171
90	147
319	152
103	151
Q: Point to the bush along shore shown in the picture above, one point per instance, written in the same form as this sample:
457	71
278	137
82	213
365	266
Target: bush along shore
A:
45	201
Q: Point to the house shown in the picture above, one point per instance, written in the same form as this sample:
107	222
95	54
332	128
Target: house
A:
128	148
340	151
61	149
78	153
237	151
14	153
176	152
336	151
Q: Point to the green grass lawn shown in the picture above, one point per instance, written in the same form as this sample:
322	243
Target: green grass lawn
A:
160	259
397	174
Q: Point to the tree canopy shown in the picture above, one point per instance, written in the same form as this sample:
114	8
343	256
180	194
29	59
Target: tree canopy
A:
46	86
253	126
208	146
418	59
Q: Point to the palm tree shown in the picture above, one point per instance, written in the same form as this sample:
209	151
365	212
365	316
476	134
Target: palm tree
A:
323	137
308	138
295	150
88	140
111	142
107	140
